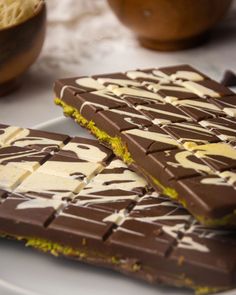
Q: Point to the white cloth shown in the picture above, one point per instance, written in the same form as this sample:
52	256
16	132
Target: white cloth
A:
79	30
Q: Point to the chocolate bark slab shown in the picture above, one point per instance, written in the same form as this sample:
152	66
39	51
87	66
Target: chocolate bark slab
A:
112	221
139	147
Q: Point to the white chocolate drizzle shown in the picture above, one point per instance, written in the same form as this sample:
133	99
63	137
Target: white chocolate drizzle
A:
114	83
199	105
200	90
187	75
139	74
88	82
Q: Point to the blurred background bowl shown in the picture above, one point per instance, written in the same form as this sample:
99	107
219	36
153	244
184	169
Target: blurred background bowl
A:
20	46
170	24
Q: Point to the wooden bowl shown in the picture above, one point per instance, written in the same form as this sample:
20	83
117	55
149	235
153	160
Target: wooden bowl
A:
170	24
20	46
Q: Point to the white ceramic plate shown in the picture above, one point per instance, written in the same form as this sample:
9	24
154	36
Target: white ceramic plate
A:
24	271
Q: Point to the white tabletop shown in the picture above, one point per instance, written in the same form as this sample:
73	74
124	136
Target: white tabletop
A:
90	40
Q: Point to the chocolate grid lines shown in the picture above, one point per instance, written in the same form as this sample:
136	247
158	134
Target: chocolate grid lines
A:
175	108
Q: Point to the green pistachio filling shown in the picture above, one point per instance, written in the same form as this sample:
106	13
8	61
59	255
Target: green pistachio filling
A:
121	150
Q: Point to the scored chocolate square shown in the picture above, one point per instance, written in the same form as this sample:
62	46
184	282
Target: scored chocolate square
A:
148	140
3	195
28	210
219	156
146	75
118	120
80	225
24	158
145	232
137	95
11	177
163	113
171	91
198	109
190	132
207	88
72	86
224	128
70	168
227	104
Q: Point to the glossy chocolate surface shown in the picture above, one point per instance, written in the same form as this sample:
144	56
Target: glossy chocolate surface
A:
175	111
97	209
